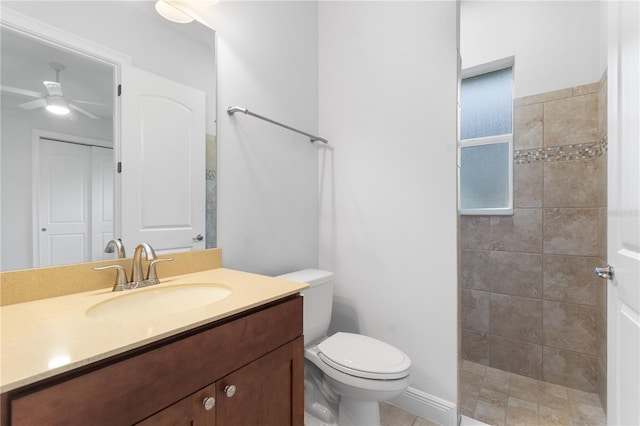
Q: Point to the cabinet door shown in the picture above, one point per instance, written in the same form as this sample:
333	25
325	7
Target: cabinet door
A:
267	392
195	410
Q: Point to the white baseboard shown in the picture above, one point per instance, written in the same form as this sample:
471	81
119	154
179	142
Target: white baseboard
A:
427	406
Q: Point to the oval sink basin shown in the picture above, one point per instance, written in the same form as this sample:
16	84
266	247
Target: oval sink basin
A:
157	302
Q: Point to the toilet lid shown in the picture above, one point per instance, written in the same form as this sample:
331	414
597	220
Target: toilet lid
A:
363	356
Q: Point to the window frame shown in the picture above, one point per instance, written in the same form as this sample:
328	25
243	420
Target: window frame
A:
488	140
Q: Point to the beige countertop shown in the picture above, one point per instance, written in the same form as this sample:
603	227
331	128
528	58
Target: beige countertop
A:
43	338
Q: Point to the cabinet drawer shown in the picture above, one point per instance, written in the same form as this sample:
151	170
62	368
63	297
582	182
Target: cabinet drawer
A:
137	386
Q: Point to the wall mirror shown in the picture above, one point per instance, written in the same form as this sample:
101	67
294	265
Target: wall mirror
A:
70	55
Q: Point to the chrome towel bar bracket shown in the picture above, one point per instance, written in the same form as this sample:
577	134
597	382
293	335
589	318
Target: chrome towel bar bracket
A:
312	138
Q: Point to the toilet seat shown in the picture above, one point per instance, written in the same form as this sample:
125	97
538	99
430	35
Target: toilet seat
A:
365	357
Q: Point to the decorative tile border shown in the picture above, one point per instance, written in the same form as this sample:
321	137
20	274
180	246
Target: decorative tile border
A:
581	151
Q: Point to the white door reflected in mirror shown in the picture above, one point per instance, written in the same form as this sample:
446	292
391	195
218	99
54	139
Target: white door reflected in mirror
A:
75	202
164	195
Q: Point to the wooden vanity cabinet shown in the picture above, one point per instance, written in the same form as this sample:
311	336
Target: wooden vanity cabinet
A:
258	394
252	364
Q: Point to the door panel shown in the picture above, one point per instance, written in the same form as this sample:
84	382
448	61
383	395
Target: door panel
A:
64	203
163	162
189	411
102	198
623	228
267	392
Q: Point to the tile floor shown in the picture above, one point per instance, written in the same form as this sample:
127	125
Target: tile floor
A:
394	416
497	397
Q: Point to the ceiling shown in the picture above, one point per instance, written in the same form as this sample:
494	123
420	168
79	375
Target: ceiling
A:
25	65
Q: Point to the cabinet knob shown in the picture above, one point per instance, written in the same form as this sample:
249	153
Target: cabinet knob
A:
208	403
230	390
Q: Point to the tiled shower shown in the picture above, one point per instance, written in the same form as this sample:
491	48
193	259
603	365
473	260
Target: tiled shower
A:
531	304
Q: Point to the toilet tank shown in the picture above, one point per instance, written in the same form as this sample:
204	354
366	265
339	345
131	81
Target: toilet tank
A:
317	302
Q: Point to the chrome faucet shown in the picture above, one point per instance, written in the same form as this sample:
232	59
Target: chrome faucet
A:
137	275
117	245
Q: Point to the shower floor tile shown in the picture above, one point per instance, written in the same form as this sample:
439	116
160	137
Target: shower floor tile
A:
498	397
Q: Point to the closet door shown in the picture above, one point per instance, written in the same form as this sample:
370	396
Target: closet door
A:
102	208
64	204
162	181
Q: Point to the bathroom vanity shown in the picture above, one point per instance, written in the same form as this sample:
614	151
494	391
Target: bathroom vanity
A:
237	361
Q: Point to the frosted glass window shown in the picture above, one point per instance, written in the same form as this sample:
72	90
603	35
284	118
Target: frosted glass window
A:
485	102
486	145
484	176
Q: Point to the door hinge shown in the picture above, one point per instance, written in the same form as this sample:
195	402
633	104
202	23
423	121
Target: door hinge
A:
119	89
119	167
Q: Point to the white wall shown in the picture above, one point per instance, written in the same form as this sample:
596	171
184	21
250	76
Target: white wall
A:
388	179
546	38
604	36
267	176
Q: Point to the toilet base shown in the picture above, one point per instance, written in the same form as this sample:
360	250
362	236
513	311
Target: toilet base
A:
310	420
356	412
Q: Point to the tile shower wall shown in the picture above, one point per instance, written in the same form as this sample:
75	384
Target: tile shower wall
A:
211	191
531	303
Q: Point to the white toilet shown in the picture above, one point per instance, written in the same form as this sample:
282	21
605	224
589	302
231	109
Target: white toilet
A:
350	372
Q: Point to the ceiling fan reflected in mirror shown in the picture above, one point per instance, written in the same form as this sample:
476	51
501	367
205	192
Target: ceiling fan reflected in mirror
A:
53	101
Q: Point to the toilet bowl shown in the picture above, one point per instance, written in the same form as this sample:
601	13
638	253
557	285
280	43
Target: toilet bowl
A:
361	371
345	370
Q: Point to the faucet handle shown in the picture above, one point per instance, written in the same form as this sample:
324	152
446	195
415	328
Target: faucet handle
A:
152	274
121	276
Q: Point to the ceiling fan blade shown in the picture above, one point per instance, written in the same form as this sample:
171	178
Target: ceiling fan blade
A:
22	92
53	88
92	103
38	103
82	111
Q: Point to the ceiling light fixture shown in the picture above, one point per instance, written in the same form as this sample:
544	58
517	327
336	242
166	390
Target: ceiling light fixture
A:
168	11
57	105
